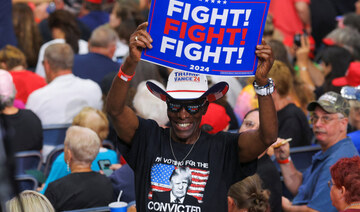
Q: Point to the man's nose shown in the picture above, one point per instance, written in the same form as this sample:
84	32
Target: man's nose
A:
183	114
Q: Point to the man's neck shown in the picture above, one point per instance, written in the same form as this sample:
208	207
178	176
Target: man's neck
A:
326	145
102	51
58	74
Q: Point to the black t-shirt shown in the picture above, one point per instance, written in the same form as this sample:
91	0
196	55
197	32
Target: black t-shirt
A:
25	131
294	124
213	163
271	180
80	190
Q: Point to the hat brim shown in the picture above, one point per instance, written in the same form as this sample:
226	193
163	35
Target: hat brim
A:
340	81
312	105
212	94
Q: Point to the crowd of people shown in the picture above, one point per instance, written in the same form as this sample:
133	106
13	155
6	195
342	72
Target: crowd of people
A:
208	143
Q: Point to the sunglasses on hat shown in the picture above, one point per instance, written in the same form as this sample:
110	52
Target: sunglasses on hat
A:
191	108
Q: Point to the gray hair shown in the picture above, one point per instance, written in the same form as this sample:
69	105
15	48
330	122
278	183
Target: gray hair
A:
103	36
148	106
60	56
185	172
8	101
7	89
347	36
31	201
83	143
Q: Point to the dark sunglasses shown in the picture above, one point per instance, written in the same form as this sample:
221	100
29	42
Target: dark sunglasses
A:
191	108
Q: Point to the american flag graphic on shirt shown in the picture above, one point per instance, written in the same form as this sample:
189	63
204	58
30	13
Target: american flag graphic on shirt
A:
160	180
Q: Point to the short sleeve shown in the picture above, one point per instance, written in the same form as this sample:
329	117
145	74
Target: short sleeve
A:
321	200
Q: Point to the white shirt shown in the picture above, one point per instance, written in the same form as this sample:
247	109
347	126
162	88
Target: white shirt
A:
83	49
62	99
122	50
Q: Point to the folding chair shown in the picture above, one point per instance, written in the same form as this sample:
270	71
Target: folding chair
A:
54	135
27	160
51	158
108	144
26	182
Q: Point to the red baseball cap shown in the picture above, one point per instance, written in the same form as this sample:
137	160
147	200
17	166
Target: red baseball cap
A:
216	117
95	1
352	77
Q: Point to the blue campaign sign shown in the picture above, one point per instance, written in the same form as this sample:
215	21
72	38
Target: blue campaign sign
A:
215	37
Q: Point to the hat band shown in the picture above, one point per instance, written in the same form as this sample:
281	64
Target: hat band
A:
190	91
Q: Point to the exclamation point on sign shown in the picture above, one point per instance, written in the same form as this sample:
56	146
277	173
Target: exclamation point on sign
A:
247	16
241	51
243	35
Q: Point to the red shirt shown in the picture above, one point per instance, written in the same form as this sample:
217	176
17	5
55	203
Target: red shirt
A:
26	82
285	17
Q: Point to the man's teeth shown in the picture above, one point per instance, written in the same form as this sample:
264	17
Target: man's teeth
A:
184	125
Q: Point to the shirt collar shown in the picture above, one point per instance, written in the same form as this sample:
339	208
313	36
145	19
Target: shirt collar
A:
172	198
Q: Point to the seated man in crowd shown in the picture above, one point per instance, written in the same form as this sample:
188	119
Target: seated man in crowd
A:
65	95
329	117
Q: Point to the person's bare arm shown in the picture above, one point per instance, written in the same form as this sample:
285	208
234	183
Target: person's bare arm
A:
123	117
303	11
311	75
288	207
292	177
253	143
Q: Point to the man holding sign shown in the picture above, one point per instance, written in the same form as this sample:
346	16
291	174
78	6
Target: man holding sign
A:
215	37
215	161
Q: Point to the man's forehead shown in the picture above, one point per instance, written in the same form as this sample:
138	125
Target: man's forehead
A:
179	178
319	110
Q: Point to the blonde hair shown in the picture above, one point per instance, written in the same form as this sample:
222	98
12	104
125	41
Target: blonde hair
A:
12	57
94	119
31	201
83	143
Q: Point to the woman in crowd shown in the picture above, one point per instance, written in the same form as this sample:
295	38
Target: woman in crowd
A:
248	195
95	120
13	60
31	201
63	28
266	168
27	33
291	119
124	19
83	188
345	184
23	126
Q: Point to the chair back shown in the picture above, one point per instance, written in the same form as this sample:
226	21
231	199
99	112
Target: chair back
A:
54	135
27	160
108	144
51	158
26	182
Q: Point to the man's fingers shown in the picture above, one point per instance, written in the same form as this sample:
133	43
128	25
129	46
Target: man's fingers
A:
142	26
